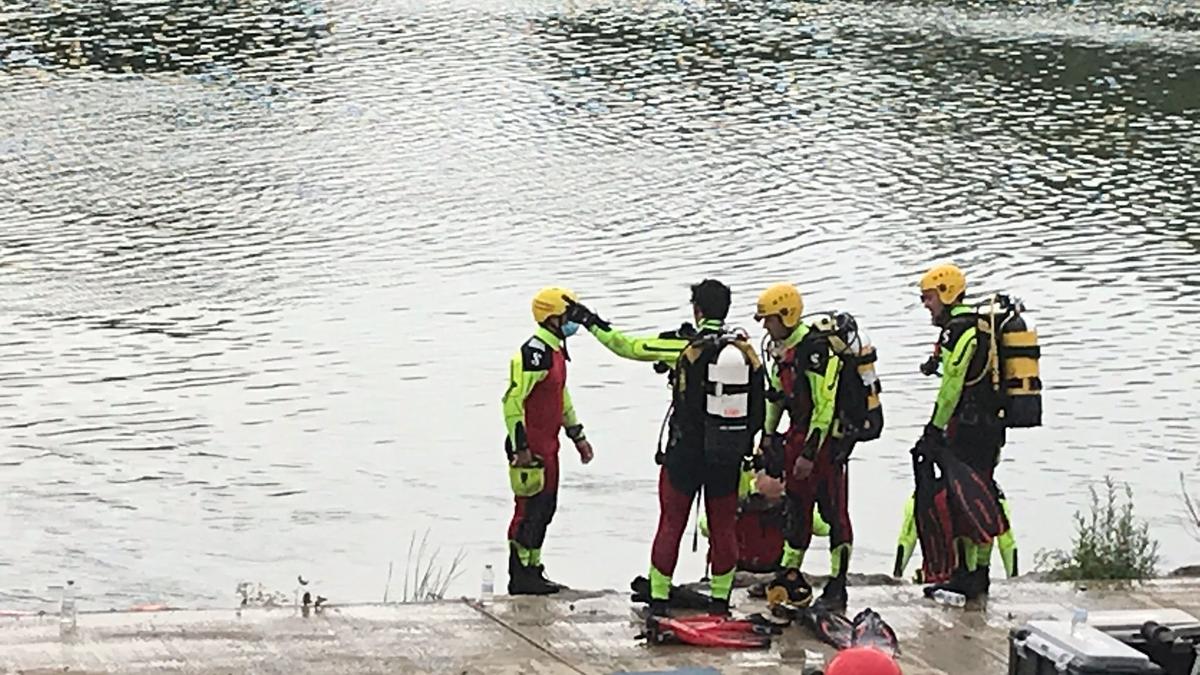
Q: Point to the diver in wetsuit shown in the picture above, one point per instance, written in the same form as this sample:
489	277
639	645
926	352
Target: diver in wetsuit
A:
712	427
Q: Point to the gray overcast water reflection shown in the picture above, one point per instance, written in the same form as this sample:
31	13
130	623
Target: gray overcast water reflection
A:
264	265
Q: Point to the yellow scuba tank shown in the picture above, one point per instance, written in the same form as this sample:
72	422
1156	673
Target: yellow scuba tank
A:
1013	360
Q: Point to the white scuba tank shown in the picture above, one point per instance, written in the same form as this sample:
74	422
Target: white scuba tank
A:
729	369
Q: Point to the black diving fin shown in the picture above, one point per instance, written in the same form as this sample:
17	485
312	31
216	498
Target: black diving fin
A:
973	499
935	528
870	630
828	626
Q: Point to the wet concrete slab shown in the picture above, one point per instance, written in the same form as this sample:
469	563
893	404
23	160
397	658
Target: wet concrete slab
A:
573	633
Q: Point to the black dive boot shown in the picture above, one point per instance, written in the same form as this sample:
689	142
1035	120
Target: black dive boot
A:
954	584
983	579
718	607
833	596
523	580
970	585
659	608
540	571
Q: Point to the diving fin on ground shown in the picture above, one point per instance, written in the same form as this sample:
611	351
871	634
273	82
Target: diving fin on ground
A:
828	626
717	632
728	624
973	499
777	623
680	598
870	630
935	530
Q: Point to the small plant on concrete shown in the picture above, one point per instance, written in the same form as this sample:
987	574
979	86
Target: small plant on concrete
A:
1110	543
429	580
1193	509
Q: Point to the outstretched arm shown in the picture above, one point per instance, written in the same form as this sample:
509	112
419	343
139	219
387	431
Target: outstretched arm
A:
663	347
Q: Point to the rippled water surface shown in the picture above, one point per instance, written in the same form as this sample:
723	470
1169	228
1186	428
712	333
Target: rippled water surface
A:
264	262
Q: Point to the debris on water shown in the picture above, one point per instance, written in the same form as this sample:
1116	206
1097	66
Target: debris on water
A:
255	595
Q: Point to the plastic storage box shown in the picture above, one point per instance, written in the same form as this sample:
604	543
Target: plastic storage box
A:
1170	637
1058	648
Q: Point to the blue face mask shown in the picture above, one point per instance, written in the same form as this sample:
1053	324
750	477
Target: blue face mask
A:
569	328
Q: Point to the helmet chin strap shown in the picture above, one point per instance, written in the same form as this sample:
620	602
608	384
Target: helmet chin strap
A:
776	348
772	346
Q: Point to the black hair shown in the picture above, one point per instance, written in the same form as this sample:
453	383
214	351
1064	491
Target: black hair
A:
712	298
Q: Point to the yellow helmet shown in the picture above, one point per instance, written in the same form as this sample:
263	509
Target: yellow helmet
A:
782	300
551	301
947	280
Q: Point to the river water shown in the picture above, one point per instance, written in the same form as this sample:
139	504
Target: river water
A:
264	264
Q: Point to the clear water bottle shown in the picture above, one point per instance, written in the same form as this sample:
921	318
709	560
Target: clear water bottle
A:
1078	617
814	663
949	598
66	612
488	588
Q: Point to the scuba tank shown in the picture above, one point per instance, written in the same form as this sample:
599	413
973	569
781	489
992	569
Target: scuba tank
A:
731	361
729	375
860	411
1012	360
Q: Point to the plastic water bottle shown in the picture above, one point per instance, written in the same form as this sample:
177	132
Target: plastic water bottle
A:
814	663
66	614
1078	617
949	598
488	587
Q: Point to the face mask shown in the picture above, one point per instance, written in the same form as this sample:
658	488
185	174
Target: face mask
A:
569	328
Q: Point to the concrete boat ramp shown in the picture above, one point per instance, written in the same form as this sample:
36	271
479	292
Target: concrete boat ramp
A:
580	633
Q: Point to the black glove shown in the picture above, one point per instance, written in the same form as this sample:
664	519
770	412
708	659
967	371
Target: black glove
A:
771	461
812	445
932	434
522	441
932	441
842	447
931	365
580	314
686	330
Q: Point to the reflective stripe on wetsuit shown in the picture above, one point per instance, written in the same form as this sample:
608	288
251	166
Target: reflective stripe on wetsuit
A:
822	390
957	352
